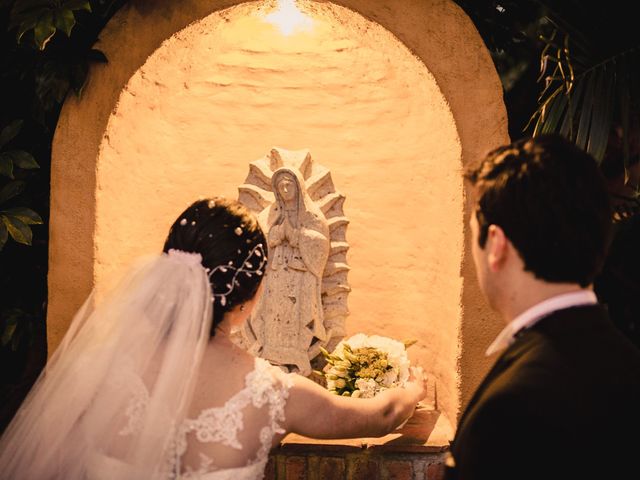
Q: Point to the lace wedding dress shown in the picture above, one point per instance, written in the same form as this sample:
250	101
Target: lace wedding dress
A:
266	388
120	398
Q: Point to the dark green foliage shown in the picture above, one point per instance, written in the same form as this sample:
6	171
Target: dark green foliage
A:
44	18
590	65
587	55
46	53
15	221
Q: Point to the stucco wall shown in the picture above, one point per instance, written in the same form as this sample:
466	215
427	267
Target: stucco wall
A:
154	132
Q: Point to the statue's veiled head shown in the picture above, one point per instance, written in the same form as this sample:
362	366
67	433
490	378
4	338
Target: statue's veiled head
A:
287	185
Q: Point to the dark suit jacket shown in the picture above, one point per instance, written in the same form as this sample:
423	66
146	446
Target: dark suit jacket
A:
563	401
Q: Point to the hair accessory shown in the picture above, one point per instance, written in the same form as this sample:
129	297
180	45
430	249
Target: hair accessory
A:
188	258
246	267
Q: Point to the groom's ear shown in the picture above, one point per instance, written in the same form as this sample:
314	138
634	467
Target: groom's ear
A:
497	247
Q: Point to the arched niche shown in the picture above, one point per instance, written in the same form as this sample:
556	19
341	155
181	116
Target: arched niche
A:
395	98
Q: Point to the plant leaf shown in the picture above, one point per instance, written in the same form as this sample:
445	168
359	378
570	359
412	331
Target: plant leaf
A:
23	159
586	110
556	109
568	123
623	98
541	112
77	5
79	74
602	115
18	230
11	189
17	337
4	235
9	330
44	30
24	11
24	214
96	55
22	6
6	165
9	132
64	20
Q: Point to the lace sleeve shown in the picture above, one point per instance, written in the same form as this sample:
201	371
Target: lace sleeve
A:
270	386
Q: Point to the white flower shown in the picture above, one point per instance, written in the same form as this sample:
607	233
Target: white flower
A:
389	366
390	378
367	386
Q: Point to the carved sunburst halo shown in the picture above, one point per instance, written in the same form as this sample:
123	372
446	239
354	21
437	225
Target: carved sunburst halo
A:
256	194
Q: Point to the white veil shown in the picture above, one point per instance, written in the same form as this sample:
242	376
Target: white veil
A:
110	399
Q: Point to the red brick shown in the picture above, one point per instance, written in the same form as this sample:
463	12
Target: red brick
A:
313	467
270	469
363	469
434	471
296	468
332	468
399	470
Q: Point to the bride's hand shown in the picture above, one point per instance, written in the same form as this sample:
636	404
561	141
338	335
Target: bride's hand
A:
417	383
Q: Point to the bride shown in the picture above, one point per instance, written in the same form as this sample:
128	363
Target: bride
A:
148	385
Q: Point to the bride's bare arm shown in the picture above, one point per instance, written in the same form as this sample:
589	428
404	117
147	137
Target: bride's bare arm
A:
314	412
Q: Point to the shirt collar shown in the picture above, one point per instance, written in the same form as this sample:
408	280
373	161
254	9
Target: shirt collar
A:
529	317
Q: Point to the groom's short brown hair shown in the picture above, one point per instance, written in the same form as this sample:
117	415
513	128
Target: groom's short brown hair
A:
550	199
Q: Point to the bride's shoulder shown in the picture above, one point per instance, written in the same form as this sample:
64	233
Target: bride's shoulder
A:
266	376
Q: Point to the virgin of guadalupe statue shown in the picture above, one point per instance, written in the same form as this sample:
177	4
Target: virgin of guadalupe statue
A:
288	318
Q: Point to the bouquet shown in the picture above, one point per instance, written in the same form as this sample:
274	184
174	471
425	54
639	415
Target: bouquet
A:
363	366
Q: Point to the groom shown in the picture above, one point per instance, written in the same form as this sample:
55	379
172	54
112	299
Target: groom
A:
563	398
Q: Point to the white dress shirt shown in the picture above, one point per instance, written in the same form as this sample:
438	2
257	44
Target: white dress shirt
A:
530	316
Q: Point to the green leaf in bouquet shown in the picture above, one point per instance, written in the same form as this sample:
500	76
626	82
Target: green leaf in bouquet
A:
409	342
350	356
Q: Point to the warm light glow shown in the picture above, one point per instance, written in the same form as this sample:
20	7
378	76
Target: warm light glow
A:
288	18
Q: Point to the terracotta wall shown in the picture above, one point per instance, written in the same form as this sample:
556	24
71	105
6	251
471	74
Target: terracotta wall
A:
393	99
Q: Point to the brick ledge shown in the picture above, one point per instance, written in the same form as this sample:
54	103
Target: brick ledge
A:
428	431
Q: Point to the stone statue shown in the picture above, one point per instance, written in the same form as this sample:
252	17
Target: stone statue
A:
301	308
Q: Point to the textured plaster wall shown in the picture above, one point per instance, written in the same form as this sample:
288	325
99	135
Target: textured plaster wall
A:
155	130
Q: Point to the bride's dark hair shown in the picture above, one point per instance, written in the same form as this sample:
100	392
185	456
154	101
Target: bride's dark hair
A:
225	233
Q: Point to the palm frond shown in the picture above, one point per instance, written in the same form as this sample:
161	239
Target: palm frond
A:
581	99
